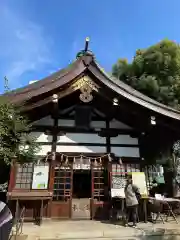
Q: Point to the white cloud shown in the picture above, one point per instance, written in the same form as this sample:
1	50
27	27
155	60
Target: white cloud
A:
24	46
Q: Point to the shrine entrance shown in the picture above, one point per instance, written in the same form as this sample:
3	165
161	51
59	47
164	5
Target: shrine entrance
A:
81	194
81	190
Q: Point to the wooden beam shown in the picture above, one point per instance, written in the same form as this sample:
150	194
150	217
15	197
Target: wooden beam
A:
63	130
90	144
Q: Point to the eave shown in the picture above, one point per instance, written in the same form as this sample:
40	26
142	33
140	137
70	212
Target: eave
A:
40	93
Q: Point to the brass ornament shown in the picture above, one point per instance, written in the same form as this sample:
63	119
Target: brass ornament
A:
86	94
83	82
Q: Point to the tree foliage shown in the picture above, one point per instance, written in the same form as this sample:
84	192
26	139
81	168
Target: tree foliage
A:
154	71
15	140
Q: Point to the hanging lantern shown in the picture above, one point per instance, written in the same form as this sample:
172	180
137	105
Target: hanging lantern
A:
115	102
55	98
74	160
153	120
109	158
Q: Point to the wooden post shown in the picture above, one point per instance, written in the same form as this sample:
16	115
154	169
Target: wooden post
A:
41	213
17	210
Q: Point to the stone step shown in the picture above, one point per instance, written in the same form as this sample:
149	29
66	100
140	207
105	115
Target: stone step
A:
115	235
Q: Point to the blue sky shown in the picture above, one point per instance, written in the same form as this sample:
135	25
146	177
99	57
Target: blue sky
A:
39	37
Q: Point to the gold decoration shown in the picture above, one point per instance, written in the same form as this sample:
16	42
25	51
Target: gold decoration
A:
86	94
85	81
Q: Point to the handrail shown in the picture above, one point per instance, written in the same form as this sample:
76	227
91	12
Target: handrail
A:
18	225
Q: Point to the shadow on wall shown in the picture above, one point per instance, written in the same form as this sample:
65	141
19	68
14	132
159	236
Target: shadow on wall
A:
160	234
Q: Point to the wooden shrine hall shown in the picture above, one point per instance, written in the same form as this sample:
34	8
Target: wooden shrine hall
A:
90	127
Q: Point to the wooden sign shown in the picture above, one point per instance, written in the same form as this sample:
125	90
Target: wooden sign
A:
139	179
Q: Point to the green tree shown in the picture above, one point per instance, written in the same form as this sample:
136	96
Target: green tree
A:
15	139
154	71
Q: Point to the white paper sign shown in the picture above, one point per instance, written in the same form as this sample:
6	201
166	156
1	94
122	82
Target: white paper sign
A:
159	197
117	192
40	177
139	180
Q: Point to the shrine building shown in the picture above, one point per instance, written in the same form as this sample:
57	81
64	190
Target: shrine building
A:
92	130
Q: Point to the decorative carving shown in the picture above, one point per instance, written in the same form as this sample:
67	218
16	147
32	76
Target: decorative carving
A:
86	86
86	94
84	81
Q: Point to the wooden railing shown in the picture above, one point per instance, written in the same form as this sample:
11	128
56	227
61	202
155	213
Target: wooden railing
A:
18	225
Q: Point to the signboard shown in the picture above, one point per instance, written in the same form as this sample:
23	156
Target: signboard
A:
83	166
117	192
82	163
139	180
40	177
117	186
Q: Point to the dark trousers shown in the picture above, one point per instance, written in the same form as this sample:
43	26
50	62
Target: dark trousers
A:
5	230
131	213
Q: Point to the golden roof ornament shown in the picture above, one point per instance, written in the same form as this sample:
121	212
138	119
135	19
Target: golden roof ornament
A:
86	94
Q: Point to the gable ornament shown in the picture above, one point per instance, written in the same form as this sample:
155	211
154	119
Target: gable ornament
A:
86	87
86	94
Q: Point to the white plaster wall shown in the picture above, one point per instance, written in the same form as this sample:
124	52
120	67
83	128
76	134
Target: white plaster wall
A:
46	121
124	139
119	125
81	149
98	124
41	137
81	138
66	123
125	151
44	149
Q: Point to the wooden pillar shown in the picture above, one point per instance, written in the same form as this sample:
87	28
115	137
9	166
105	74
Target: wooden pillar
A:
54	116
142	159
12	177
108	139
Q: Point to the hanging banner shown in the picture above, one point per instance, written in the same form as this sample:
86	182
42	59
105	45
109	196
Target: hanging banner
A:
139	179
40	177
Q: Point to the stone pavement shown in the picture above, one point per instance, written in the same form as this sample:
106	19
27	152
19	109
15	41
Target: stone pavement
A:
51	230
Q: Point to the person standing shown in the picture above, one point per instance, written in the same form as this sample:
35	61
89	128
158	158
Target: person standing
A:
6	221
132	196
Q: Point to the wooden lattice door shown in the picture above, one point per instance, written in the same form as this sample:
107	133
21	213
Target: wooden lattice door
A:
62	192
100	190
97	181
